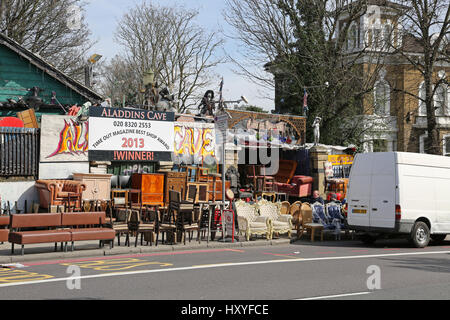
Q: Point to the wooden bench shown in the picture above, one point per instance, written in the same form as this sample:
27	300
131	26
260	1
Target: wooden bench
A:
50	222
59	227
4	228
86	226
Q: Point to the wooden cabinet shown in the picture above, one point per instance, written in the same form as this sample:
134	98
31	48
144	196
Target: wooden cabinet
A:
98	186
174	181
151	186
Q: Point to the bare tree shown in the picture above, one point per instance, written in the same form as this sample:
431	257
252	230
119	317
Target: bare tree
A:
167	41
119	82
265	34
55	30
426	47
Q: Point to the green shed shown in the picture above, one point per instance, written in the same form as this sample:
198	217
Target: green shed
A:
27	81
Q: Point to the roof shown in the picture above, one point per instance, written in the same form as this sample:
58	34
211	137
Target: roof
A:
43	65
380	3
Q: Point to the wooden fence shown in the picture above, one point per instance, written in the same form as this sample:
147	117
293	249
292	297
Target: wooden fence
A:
19	152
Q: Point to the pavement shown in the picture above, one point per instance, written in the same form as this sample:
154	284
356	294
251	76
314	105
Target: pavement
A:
45	251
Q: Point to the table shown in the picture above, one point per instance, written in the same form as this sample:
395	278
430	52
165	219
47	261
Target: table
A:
314	227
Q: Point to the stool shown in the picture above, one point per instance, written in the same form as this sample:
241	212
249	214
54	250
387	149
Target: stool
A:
280	195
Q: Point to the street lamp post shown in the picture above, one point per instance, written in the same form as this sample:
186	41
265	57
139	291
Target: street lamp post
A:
88	69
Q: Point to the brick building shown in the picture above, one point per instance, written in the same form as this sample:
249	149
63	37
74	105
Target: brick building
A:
393	115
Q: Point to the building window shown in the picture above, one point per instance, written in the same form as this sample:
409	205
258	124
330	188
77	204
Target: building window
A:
440	100
387	36
423	141
380	145
382	98
352	41
446	145
422	106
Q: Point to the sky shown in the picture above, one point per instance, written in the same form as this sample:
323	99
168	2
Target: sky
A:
103	16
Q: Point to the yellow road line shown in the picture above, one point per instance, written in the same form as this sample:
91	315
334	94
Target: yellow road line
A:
11	276
116	264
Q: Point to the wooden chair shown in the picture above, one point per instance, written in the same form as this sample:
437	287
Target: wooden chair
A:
272	196
167	225
308	225
183	212
135	200
120	228
295	212
144	223
285	207
331	183
72	203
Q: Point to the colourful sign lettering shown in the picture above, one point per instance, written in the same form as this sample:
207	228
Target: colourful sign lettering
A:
73	139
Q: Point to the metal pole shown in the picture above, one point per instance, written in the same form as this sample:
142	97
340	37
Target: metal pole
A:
223	183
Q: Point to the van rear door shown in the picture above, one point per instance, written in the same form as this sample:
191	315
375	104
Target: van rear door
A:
358	196
383	190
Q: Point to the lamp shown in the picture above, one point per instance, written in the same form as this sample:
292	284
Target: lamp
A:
244	99
94	58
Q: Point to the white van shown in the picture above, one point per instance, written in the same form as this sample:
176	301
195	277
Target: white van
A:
395	193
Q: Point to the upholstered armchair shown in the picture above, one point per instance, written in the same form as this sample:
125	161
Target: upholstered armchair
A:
250	222
279	223
55	192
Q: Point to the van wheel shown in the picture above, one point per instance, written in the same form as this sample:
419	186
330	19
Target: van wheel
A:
420	234
438	238
368	239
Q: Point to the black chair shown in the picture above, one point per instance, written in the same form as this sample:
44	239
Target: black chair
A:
183	214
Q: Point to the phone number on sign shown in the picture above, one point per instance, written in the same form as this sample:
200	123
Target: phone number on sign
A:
128	124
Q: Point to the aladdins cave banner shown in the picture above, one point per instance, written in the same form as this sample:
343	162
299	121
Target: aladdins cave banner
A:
63	139
122	134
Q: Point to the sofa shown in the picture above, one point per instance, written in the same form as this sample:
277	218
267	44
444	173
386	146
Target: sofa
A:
56	192
293	185
299	186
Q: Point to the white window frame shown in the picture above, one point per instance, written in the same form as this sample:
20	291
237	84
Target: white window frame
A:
422	108
391	36
444	112
444	149
422	142
387	105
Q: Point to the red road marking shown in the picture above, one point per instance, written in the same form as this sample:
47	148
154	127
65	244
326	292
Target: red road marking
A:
281	254
124	256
